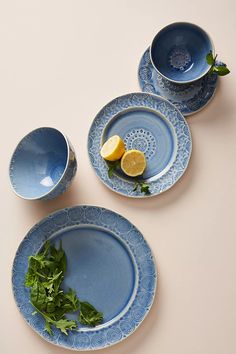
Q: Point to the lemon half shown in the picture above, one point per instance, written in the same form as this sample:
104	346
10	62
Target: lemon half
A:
113	149
133	163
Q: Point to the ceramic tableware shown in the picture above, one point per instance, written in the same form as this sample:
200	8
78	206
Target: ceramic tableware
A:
188	98
109	264
43	164
148	123
178	52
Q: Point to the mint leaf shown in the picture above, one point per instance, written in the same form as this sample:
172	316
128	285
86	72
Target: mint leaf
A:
221	70
209	58
89	315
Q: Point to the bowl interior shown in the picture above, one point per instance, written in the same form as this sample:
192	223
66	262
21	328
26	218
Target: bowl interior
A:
179	52
38	163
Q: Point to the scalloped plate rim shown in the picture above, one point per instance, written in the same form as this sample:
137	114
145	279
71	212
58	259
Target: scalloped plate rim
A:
154	276
140	196
184	114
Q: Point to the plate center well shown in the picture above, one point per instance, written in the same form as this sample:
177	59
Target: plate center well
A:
99	268
146	130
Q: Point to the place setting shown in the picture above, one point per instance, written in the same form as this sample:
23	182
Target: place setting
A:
85	277
177	66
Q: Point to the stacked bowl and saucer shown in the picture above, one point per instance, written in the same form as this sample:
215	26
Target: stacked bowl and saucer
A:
175	67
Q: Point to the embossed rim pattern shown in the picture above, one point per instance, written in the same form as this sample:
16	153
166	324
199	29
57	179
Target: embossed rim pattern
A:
106	335
187	108
166	109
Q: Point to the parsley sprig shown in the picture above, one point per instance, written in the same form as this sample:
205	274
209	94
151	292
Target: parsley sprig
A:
220	70
114	165
45	275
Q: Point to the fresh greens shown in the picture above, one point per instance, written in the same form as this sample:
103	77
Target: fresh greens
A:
144	187
45	275
114	165
220	70
89	315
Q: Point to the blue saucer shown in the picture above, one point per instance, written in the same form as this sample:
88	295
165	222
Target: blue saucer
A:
109	264
188	98
148	123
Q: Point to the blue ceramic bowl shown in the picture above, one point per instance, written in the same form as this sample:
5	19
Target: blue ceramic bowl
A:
178	52
43	165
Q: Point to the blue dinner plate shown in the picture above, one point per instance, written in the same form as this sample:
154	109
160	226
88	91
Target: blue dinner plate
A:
188	98
148	123
109	264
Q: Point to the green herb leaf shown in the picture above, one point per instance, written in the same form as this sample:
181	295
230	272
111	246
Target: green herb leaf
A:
221	70
38	296
46	248
48	327
112	166
71	303
145	188
64	325
50	306
89	315
136	185
209	58
31	278
45	276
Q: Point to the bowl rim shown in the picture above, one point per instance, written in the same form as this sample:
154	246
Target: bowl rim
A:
182	23
65	168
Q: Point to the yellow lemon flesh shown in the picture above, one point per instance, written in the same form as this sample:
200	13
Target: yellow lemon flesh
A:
113	149
133	163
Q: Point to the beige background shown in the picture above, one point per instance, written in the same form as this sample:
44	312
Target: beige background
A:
61	61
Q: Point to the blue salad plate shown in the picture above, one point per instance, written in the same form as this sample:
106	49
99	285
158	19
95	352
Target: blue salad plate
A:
189	98
109	264
148	123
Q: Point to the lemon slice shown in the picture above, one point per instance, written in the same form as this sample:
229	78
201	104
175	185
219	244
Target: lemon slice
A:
113	148
133	163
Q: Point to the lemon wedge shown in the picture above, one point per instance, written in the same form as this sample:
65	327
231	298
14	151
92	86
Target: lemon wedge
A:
113	149
133	163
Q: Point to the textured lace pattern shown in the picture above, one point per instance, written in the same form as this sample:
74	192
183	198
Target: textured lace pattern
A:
177	121
188	98
107	334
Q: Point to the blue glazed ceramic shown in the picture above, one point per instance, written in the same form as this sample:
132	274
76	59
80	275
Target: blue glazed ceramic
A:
178	52
43	165
188	98
148	123
109	264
